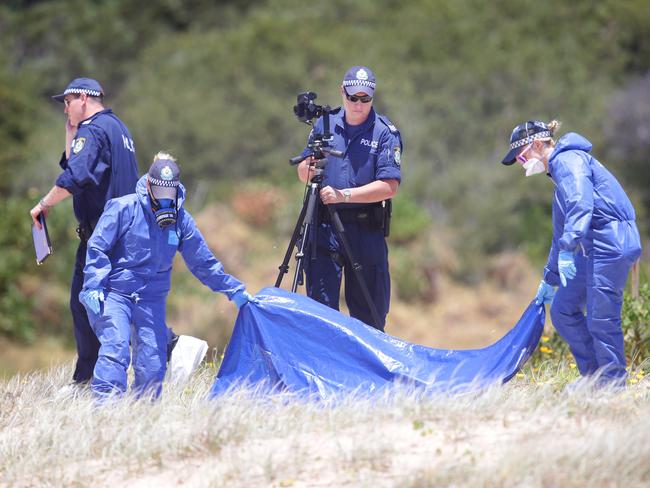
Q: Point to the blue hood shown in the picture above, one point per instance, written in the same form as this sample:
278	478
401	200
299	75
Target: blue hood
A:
143	195
570	142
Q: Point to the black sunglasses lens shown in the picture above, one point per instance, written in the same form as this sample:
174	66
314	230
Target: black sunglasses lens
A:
363	99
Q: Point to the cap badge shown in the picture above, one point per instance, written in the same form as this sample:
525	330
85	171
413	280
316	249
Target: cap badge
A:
362	74
166	173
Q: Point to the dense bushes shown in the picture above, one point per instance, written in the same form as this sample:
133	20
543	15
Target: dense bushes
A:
214	84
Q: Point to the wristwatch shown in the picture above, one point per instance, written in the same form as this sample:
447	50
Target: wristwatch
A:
346	195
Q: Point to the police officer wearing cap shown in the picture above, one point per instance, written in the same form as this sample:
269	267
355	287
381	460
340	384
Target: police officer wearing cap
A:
360	183
128	276
98	164
595	242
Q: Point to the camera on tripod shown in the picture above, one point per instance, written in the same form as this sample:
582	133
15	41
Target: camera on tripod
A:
306	110
304	232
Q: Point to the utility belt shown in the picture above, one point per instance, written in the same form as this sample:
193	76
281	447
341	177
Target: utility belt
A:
374	216
84	231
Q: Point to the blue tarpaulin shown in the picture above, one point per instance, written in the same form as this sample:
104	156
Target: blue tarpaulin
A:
288	342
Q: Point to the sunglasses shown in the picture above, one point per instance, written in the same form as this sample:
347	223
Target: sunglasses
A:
68	101
362	99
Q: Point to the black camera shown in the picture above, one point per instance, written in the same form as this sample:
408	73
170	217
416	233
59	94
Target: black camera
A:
306	109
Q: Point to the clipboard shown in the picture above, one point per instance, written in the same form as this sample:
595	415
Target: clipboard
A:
42	244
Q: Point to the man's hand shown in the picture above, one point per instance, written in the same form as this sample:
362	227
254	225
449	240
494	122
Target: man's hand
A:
39	208
331	195
54	196
306	168
70	133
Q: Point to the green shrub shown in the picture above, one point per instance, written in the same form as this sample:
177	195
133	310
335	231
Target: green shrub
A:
636	325
22	316
409	220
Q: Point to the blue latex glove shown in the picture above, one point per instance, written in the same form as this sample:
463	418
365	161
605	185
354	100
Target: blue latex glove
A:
545	293
566	266
242	297
91	298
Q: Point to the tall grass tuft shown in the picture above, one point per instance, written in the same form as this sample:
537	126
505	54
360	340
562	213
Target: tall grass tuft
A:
526	433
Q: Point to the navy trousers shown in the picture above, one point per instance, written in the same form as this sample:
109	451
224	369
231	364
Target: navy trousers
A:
87	343
324	274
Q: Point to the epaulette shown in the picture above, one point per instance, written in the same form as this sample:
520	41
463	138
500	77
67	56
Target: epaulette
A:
91	119
386	121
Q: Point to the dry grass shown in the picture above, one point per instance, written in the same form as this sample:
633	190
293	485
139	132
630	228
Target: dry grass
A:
527	433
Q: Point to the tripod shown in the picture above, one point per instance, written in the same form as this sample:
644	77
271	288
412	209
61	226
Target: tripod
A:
307	227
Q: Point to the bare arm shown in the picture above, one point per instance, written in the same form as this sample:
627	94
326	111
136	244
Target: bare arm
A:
54	196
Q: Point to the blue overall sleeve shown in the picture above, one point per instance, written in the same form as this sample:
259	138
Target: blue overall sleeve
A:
202	262
110	227
575	188
551	275
86	166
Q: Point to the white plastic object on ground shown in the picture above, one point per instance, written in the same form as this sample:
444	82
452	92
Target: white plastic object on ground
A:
186	357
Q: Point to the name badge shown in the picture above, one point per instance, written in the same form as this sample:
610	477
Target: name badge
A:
172	238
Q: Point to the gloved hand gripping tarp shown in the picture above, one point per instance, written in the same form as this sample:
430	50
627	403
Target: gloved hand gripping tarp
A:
288	342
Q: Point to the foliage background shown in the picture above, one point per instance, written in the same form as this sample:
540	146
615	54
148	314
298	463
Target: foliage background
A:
214	83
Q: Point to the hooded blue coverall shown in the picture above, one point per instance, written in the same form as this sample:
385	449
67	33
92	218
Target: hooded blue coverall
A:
371	151
101	166
130	258
594	219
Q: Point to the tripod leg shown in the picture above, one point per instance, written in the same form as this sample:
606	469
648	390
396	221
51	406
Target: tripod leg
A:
309	228
340	233
297	232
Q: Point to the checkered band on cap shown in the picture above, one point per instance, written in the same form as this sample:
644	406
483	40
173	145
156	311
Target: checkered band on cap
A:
527	140
157	182
164	172
92	93
370	84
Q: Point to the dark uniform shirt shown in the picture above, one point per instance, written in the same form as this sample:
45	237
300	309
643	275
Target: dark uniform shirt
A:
102	165
371	150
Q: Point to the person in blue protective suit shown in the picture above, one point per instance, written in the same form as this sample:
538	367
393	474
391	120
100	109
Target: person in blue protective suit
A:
595	243
98	164
360	183
128	275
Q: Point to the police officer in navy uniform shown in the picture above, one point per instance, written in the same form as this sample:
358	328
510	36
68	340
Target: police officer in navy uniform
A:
360	184
98	164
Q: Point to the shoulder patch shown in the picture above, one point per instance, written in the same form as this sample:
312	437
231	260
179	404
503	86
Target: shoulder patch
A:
78	144
397	155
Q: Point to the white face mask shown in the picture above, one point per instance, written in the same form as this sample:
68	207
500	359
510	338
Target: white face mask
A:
534	166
